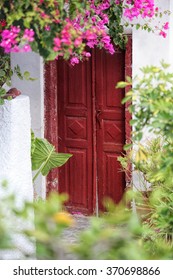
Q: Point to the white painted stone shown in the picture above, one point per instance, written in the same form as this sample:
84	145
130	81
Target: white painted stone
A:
33	63
15	161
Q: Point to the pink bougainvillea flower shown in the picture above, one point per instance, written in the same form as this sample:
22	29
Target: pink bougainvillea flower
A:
89	35
91	44
142	8
57	42
86	54
15	29
166	26
78	42
12	38
29	35
47	28
16	49
26	48
44	15
163	34
74	60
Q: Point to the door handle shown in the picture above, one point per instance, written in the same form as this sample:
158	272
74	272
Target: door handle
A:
98	118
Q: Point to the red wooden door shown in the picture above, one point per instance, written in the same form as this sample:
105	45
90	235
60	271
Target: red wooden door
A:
91	126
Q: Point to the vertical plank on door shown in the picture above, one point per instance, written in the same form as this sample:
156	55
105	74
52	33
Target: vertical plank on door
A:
110	115
75	134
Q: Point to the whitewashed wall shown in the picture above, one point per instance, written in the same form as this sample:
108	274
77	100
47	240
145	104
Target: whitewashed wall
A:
33	63
149	48
15	165
15	161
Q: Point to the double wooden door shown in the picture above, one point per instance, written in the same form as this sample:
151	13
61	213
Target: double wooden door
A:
91	126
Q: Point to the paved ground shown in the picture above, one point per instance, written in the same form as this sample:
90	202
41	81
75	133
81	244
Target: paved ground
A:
81	223
70	235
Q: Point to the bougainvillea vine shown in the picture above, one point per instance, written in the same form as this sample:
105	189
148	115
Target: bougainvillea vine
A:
65	28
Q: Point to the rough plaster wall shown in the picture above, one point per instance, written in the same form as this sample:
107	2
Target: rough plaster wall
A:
15	162
33	63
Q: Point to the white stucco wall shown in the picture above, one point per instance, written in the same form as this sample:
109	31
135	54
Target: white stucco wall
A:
33	63
15	165
15	161
149	48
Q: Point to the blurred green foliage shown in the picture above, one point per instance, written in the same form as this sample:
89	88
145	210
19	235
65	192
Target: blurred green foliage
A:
151	99
116	234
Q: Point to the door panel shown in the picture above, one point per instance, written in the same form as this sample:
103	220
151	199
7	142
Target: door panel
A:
95	145
110	126
75	134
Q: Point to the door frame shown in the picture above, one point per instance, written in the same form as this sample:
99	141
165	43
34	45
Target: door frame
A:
51	114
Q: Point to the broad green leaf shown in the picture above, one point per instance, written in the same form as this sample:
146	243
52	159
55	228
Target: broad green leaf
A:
45	157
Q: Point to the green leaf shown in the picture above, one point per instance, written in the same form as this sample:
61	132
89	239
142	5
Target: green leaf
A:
138	26
8	83
127	98
45	157
138	136
132	122
18	72
165	65
2	73
2	92
1	101
122	84
129	79
127	146
51	56
27	76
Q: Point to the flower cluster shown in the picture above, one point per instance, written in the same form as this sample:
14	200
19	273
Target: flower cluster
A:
163	31
57	30
12	41
88	29
99	20
144	9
